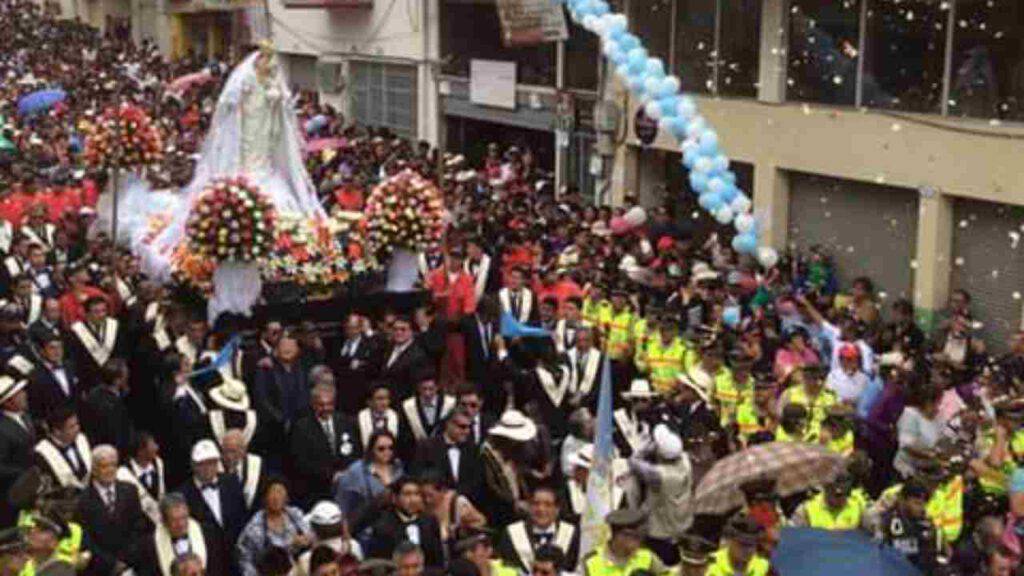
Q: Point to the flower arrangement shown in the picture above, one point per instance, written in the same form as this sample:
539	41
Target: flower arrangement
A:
231	220
317	253
123	137
405	211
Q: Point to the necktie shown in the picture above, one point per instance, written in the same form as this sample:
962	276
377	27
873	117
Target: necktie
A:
515	305
147	479
544	539
429	410
72	457
329	431
111	499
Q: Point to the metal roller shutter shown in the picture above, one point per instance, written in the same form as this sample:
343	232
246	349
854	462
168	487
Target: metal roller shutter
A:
989	264
302	71
869	230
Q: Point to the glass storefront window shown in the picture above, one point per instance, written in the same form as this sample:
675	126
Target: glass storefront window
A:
581	58
823	51
694	44
904	55
987	76
739	47
652	21
471	31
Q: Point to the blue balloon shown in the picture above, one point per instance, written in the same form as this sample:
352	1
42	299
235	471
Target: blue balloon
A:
618	34
731	191
678	130
655	67
690	157
636	84
731	316
730	177
600	8
688	107
637	57
618	57
709	143
699	184
745	243
668	106
629	41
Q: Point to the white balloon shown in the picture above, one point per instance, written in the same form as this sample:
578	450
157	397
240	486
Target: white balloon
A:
601	26
703	164
696	127
741	204
724	215
716	184
610	47
744	223
665	123
688	144
767	256
589	21
653	109
617	22
622	71
686	108
721	162
651	85
670	85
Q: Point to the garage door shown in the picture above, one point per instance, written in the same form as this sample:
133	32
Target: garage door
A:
870	230
989	264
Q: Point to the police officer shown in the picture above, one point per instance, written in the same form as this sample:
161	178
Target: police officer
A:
694	555
624	553
832	509
907	529
739	557
43	537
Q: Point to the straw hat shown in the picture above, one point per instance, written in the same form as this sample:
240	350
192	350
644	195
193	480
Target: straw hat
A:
231	395
514	425
9	387
639	389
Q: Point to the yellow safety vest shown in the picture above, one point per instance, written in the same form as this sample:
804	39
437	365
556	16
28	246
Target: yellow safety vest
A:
722	566
619	333
593	313
728	395
945	507
782	436
817	409
819	515
842	445
598	564
498	568
640	332
997	482
662	363
749	420
69	548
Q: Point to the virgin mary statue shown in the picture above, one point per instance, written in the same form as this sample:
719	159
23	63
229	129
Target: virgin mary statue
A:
254	133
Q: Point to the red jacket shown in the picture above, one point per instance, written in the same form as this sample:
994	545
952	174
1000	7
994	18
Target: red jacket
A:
458	297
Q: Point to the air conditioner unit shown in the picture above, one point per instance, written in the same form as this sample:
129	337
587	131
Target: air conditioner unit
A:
330	75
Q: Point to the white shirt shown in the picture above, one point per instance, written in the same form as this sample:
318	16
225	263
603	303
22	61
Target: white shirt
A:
107	494
61	376
350	346
212	498
17	417
412	531
848	388
397	352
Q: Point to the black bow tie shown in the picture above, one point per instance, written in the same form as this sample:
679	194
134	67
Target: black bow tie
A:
210	486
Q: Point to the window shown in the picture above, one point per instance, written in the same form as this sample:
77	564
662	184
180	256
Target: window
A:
823	51
694	44
987	78
385	95
471	31
738	49
653	18
904	55
581	58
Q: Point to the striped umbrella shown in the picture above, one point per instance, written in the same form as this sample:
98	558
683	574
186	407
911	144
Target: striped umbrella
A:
795	466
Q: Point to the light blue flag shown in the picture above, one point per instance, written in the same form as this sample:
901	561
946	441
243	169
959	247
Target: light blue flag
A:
512	328
593	529
223	358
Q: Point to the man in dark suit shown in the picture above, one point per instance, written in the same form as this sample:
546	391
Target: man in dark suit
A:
405	521
96	340
478	332
454	455
281	395
216	501
520	540
402	360
17	441
323	444
53	382
468	399
104	414
355	365
421	415
111	514
48	322
178	535
484	269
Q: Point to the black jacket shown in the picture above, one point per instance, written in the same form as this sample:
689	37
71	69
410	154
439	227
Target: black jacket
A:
481	360
106	420
45	393
433	453
313	463
16	456
389	531
400	377
113	536
222	536
356	369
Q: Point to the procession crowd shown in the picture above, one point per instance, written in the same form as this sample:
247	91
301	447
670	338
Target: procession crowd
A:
458	438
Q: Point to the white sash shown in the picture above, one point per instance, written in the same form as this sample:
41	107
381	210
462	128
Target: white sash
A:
14	268
524	548
35	307
628	429
100	351
165	548
555	391
184	347
586	382
125	292
231	369
366	424
130	474
480	278
219	427
577	496
6	236
189	391
525	304
412	414
152	312
46	243
62	471
253	464
21	364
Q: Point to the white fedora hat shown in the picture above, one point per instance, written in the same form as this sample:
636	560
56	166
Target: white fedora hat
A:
639	389
584	457
514	425
699	388
231	395
9	387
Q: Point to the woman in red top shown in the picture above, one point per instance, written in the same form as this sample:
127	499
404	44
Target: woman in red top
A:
453	291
